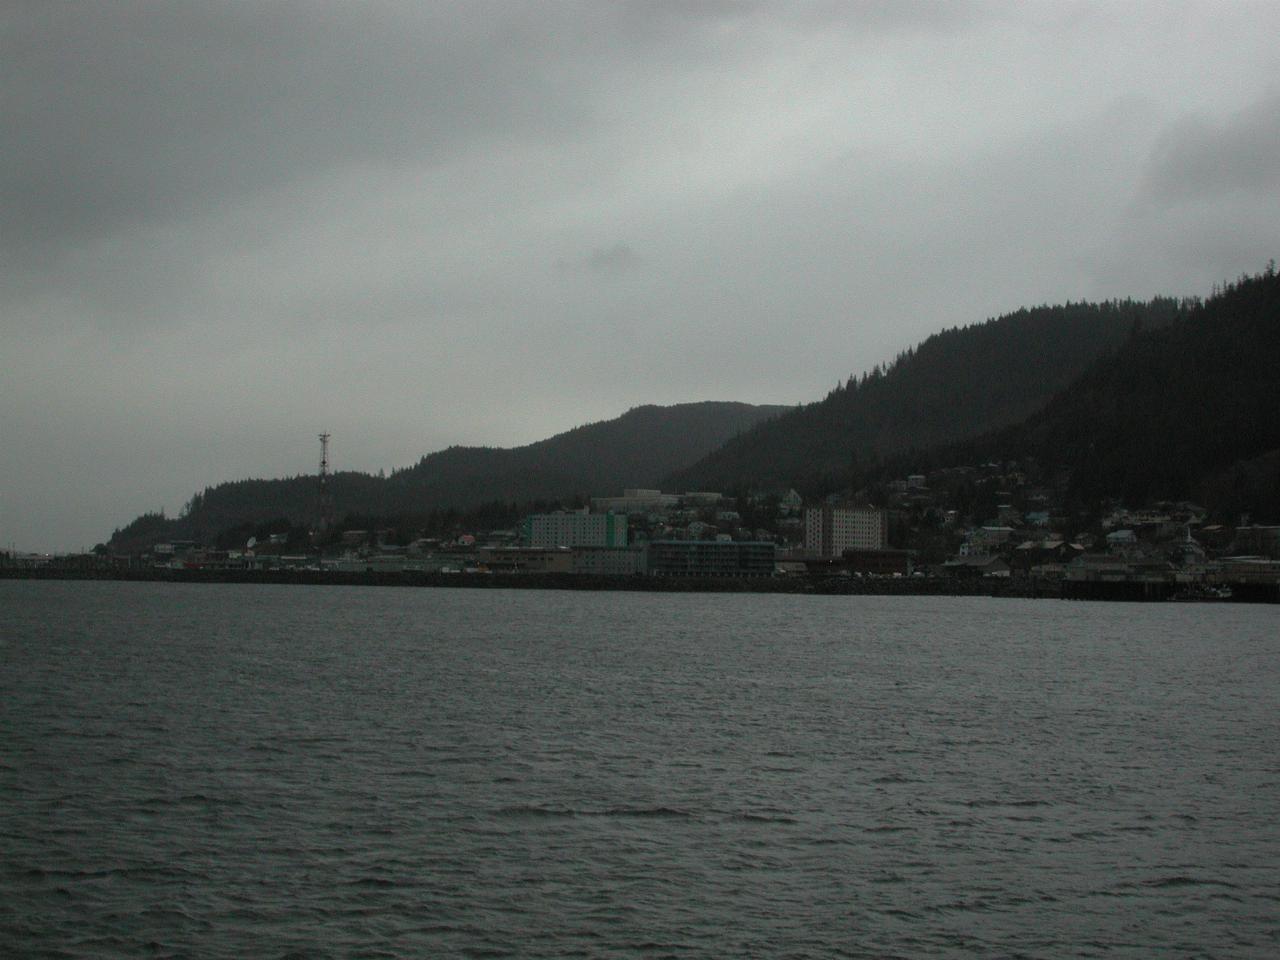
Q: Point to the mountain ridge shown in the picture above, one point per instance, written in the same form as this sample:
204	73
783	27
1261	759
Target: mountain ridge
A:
635	449
1175	410
1047	382
958	383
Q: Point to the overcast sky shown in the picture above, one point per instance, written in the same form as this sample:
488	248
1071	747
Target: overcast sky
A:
226	227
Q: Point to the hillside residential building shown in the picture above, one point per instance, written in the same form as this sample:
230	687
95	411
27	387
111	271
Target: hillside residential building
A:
710	558
830	531
526	560
976	566
790	503
880	563
701	498
609	561
575	530
636	501
985	541
1258	540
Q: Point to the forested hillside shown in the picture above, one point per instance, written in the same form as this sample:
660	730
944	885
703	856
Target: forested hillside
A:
1164	399
637	449
959	383
1190	410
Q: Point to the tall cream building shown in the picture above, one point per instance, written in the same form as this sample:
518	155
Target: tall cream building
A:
576	529
830	531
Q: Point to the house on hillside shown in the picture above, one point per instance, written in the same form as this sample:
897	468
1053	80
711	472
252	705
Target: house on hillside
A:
984	541
973	567
1049	552
789	504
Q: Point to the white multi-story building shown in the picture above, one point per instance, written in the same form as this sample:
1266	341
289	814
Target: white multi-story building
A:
830	531
575	530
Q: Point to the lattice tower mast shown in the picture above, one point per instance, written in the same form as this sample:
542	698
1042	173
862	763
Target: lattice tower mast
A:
326	498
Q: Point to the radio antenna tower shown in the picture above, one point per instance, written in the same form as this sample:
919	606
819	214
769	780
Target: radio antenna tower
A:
325	499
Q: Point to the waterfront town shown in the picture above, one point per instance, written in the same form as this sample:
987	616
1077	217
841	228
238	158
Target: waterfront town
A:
979	525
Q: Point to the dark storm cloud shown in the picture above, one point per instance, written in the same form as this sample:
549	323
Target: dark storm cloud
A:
119	113
227	226
130	112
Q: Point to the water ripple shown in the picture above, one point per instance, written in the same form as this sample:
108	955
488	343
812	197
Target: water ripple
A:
230	771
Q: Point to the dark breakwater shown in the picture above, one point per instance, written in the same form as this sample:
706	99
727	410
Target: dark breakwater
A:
1013	587
852	586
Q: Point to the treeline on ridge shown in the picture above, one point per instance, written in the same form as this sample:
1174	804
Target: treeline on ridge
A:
1134	400
638	448
1184	410
956	384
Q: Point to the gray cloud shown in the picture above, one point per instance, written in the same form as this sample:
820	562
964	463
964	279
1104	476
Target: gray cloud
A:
128	114
615	259
227	226
1200	157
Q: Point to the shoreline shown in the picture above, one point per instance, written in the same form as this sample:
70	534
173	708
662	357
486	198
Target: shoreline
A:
906	586
1018	587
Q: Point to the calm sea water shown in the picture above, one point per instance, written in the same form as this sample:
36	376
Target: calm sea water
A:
255	771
